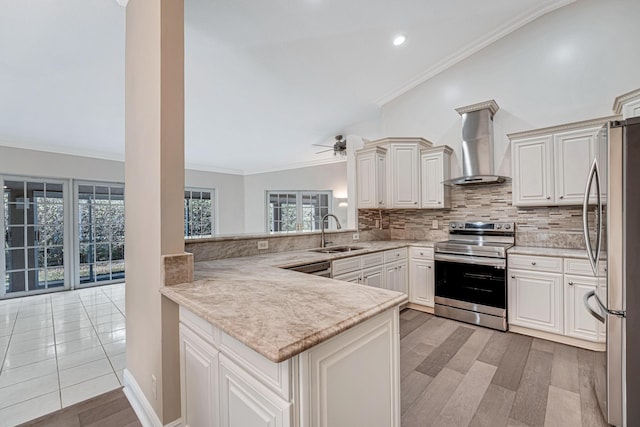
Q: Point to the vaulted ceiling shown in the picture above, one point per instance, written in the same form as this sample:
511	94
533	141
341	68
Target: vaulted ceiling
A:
263	79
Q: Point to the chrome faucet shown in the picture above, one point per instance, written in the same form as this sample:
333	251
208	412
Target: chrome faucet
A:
323	242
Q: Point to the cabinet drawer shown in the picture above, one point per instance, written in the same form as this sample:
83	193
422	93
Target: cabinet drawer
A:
583	267
346	265
421	253
197	324
536	263
395	254
372	260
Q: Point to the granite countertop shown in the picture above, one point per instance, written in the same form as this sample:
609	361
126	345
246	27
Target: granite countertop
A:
556	252
280	313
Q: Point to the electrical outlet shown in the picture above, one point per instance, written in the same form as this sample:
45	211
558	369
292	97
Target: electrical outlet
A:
377	223
434	224
263	244
356	236
154	387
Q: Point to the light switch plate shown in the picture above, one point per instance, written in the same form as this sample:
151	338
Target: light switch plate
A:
263	244
356	236
434	224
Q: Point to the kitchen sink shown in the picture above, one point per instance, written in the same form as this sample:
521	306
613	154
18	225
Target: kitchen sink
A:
337	249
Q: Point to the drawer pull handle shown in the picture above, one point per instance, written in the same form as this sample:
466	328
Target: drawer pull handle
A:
562	197
421	254
429	266
548	197
513	277
570	283
533	263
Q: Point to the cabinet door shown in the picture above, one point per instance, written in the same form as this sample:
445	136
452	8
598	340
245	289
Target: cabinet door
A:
405	179
532	171
390	272
245	402
421	282
573	154
352	277
373	276
578	322
535	300
381	180
432	174
198	380
402	277
366	178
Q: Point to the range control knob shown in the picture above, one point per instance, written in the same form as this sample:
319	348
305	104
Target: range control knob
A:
507	226
460	225
453	225
498	226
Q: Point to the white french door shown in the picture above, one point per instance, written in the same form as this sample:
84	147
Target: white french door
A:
36	244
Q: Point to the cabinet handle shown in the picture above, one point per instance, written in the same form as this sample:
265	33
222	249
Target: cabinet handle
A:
513	277
533	263
415	203
562	197
570	283
421	254
428	266
548	197
380	202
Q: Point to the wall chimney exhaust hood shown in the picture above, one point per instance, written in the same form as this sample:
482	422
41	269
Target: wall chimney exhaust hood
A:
477	145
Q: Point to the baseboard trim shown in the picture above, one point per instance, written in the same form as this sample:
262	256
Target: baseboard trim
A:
141	405
575	342
420	307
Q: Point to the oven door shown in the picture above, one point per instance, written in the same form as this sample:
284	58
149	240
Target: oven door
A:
472	282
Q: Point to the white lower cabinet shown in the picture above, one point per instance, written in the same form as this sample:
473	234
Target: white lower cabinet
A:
351	277
547	294
244	401
198	380
578	322
397	276
352	379
373	276
422	276
422	280
535	300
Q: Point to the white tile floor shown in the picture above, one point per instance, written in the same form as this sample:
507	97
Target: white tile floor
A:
59	349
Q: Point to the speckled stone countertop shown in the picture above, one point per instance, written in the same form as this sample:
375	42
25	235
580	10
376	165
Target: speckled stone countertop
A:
556	252
280	313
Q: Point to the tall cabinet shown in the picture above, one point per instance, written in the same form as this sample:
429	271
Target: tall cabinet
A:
434	169
371	166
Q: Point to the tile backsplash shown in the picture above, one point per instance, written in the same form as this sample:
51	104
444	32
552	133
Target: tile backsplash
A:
556	226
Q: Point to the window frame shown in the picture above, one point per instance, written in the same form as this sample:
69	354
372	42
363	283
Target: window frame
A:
299	209
214	211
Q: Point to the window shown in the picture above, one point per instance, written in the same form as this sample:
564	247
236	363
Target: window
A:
100	208
199	213
289	211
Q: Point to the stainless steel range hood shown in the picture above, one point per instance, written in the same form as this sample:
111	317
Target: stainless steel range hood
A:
477	145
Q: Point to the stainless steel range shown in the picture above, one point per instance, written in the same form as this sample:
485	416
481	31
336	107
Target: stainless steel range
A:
471	273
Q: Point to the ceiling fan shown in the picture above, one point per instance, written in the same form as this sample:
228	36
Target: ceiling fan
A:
340	146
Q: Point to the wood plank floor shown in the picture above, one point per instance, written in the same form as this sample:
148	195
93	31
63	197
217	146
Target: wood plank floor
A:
455	374
111	409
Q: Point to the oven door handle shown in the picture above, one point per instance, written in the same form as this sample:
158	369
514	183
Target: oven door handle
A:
490	262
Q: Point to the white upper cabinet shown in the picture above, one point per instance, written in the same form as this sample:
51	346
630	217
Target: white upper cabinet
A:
405	176
389	174
573	153
628	104
371	177
532	171
434	169
551	169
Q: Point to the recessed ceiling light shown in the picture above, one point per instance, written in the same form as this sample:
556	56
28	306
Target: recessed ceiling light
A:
399	39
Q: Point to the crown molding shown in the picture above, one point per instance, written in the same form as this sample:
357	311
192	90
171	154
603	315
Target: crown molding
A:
320	162
619	102
122	3
565	127
491	105
211	168
479	44
65	150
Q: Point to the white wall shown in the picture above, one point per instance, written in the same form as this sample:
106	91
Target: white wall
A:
31	163
332	176
566	66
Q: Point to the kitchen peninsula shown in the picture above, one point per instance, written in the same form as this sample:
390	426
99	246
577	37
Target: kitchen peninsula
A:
264	346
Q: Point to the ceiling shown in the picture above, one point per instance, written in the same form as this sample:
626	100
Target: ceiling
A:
263	79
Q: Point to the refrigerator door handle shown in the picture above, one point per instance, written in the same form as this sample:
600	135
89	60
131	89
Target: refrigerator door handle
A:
591	311
592	255
605	310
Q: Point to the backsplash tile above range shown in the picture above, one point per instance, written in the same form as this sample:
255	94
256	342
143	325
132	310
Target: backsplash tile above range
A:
557	227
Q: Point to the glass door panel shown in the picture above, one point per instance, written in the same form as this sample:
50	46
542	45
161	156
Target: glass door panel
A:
33	217
100	233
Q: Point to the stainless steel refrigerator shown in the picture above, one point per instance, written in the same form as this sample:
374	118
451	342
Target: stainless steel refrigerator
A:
611	216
